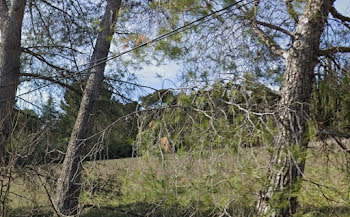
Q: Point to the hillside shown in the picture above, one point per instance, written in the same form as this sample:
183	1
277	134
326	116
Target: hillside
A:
210	183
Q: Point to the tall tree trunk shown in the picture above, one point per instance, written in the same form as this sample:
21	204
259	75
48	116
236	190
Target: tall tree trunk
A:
68	186
288	160
10	50
11	18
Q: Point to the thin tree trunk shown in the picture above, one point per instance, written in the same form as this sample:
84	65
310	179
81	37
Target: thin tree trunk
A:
10	50
68	186
279	198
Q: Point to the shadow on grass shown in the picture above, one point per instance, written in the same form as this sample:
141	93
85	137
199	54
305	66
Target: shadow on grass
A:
28	212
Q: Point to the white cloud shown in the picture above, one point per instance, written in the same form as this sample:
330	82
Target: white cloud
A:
159	77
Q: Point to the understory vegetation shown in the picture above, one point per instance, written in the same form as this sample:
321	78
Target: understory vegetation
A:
174	108
215	183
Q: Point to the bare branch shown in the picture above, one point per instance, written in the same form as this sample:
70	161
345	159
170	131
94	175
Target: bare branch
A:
117	93
278	28
131	83
339	16
343	19
333	50
41	58
50	47
58	9
333	133
336	135
47	78
341	144
336	64
71	18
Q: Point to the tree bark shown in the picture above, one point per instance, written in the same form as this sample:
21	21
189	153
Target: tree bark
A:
279	197
10	50
68	186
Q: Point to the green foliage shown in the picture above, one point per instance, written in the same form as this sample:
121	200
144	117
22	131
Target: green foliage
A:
185	100
169	49
158	98
331	101
210	118
118	140
44	137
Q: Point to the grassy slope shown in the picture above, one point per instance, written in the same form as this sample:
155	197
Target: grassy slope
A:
208	184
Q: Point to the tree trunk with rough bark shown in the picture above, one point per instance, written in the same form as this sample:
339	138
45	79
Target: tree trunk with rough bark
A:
69	186
11	18
279	198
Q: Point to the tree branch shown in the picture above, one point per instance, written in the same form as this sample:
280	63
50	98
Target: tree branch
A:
47	78
121	95
341	145
343	19
333	50
50	47
336	135
62	11
275	48
278	28
41	58
131	83
336	64
57	8
291	11
339	16
333	133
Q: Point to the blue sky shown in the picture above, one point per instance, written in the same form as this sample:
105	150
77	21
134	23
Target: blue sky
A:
343	6
149	75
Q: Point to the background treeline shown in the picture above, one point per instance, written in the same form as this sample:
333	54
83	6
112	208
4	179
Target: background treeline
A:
216	115
50	130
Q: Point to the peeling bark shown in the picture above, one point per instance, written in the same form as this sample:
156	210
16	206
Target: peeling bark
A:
69	186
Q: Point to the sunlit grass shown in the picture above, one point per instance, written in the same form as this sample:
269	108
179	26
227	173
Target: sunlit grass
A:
202	184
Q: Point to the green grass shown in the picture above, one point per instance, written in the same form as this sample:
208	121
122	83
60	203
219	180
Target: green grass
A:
197	184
